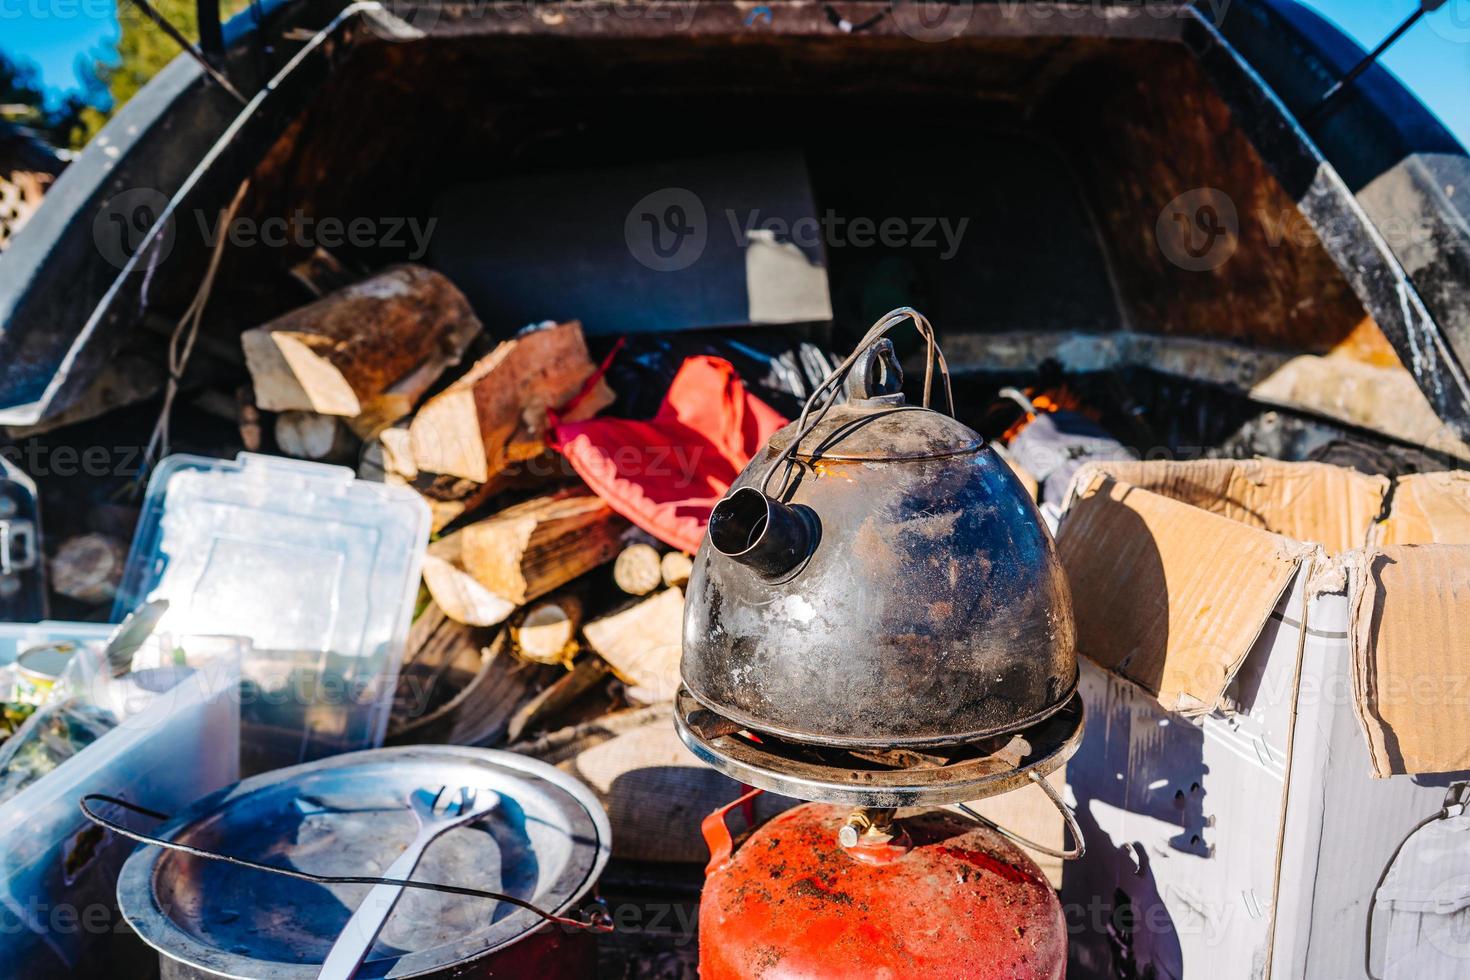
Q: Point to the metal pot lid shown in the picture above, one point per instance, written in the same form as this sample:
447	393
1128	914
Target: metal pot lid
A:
347	815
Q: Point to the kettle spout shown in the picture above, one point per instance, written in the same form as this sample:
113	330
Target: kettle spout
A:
756	529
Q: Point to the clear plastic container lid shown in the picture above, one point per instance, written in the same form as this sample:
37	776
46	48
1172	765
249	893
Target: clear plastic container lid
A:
317	568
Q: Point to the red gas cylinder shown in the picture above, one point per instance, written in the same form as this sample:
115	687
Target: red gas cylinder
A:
946	898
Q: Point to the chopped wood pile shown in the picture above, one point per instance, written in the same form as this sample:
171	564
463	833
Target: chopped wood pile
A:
541	607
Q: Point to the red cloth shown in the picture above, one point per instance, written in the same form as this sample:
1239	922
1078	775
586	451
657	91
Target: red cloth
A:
666	475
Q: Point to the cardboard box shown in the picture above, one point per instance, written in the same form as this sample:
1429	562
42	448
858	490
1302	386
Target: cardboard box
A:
1246	623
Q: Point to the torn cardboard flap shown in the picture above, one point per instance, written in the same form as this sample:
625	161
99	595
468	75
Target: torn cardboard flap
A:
1428	508
1315	502
1166	594
1411	657
1177	567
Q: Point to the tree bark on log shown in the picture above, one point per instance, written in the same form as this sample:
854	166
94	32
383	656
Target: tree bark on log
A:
371	349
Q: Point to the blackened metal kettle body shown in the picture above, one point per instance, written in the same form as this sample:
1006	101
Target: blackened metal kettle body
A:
877	576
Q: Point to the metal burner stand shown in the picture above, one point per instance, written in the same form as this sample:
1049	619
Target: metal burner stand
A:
877	778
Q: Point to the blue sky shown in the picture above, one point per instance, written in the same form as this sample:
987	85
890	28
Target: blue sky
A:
54	33
1433	58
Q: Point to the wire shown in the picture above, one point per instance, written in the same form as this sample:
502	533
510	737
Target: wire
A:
186	332
598	925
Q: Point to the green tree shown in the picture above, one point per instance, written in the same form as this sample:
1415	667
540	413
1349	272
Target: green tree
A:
142	52
23	97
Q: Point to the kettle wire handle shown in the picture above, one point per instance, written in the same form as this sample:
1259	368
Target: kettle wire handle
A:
826	392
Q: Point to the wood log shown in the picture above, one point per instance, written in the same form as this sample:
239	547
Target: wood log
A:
642	643
369	349
527	550
438	654
462	598
563	744
88	568
306	435
495	415
460	685
637	570
583	676
451	497
397	459
676	568
545	632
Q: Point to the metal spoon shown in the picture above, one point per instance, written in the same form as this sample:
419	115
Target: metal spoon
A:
131	634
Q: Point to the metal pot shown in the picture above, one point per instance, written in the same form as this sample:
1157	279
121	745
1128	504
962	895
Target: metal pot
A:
878	577
545	843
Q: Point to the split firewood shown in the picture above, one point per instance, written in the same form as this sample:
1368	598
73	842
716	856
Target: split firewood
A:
306	435
525	551
583	676
545	632
437	652
459	684
451	497
88	568
449	501
637	570
676	568
495	415
462	598
371	349
642	643
397	459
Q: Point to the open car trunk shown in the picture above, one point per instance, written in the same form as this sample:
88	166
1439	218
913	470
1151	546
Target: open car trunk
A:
1107	206
1113	191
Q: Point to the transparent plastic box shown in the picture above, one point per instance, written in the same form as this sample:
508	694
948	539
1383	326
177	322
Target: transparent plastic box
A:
176	739
317	568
